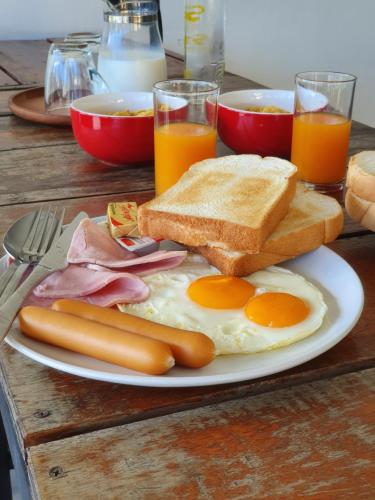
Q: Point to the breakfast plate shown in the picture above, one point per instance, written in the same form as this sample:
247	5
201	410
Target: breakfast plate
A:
343	295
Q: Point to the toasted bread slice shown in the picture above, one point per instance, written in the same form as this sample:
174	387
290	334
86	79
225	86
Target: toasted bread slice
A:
312	219
233	201
360	210
361	175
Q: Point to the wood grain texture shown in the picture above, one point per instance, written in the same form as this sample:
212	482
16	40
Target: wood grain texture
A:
4	98
362	138
60	172
25	61
76	405
64	171
6	80
314	441
16	133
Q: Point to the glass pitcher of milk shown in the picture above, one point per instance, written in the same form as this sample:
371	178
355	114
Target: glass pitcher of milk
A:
131	54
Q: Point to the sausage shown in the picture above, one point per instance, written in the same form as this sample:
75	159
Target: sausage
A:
96	340
191	349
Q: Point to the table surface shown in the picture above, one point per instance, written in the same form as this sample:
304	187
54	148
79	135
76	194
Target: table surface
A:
306	432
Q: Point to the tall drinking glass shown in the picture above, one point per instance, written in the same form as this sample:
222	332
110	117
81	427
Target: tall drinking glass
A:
185	115
321	128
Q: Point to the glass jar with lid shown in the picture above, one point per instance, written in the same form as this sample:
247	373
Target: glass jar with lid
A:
131	54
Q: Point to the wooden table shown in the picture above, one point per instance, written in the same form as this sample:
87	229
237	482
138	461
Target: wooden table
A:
303	433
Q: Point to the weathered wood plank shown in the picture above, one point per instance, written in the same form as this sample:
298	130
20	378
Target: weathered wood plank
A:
64	171
362	138
175	67
5	79
313	441
58	172
4	98
17	133
51	168
76	405
352	228
25	61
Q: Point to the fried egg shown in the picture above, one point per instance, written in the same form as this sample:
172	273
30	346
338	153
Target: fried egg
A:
265	310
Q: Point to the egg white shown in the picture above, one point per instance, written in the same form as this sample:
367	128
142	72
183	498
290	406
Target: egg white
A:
230	329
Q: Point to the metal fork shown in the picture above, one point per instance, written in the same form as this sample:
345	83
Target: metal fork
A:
44	231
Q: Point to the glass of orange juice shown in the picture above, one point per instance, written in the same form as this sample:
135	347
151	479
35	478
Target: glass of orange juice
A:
321	128
185	116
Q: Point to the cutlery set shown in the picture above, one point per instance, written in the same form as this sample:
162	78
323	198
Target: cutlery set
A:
38	241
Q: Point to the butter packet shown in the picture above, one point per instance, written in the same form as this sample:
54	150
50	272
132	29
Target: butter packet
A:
122	218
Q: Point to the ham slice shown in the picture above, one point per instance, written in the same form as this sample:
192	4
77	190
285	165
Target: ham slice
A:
91	245
104	287
101	272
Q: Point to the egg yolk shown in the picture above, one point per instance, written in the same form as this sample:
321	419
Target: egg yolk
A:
220	292
276	310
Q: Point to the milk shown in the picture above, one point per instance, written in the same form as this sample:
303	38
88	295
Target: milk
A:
135	71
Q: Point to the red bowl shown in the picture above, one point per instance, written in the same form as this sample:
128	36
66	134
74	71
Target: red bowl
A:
266	134
116	140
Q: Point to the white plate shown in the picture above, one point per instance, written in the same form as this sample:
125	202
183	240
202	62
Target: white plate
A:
343	294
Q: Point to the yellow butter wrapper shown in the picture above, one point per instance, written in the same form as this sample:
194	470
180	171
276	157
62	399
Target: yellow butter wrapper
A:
122	218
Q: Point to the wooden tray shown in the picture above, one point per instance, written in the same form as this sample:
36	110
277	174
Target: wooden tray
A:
29	104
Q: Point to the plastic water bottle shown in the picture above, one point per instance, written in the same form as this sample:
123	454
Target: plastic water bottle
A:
204	40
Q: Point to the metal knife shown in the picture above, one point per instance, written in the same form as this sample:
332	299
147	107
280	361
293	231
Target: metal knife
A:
54	260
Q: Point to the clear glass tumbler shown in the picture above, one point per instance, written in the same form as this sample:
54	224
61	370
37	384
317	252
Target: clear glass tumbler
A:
70	74
185	117
321	128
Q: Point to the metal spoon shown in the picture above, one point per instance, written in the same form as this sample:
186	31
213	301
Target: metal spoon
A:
14	245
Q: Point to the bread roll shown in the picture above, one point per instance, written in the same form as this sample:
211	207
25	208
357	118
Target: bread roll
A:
361	175
360	210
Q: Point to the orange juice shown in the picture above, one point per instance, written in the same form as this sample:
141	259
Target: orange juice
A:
320	147
177	146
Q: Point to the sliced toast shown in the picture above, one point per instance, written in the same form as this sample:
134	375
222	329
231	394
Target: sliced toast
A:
312	219
234	202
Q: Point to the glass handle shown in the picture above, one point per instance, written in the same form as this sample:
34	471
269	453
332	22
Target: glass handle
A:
99	84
